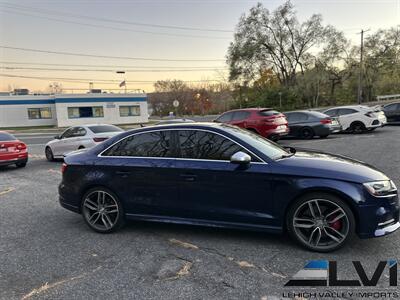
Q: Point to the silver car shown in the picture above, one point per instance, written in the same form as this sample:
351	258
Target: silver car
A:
79	137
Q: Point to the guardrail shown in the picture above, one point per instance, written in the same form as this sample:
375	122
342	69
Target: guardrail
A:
388	97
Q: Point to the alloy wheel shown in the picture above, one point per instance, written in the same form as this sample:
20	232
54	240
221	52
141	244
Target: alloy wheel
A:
321	224
100	210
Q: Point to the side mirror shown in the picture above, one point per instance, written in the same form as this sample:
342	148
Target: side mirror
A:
58	137
240	158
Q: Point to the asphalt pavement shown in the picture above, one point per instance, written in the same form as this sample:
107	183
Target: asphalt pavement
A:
47	252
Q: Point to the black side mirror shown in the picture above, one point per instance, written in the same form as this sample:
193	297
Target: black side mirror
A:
291	149
57	137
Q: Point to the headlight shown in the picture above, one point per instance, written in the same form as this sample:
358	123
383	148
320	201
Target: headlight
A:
380	188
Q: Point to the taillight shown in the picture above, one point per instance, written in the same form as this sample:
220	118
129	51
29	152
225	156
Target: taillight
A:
98	140
63	168
21	146
326	121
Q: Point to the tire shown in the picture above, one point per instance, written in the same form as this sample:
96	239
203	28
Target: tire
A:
81	147
326	231
21	165
307	133
102	211
49	154
357	127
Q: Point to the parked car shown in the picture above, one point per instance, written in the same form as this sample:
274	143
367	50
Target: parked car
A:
306	124
12	151
266	122
174	121
357	118
220	175
79	137
392	113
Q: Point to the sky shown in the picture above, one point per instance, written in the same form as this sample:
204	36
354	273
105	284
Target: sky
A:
186	40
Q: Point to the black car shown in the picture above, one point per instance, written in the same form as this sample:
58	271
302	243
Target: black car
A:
307	124
221	175
392	113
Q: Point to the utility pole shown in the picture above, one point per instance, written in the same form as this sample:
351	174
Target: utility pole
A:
361	66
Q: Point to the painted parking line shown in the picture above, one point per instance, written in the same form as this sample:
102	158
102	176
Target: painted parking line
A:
37	156
6	191
54	171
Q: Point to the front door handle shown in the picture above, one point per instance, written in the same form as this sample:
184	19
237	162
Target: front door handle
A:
123	173
188	177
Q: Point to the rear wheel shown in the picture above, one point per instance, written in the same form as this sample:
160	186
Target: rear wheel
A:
49	154
307	133
357	127
320	222
102	211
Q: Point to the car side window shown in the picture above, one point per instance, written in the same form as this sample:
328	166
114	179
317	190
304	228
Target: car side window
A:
240	115
68	133
79	131
392	107
197	144
346	111
149	144
331	112
225	117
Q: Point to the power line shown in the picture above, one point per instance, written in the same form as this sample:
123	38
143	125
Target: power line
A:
116	21
107	56
105	70
87	80
116	28
106	66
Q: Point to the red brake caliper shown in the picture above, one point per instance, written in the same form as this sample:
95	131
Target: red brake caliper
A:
337	225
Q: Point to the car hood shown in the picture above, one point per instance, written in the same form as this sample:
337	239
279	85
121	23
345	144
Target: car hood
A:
325	165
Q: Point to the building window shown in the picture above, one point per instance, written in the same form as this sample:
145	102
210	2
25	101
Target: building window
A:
39	113
129	111
85	112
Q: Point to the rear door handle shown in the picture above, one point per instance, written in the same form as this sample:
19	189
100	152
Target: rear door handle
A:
188	177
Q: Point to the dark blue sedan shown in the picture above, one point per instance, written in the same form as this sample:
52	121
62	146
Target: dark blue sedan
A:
220	175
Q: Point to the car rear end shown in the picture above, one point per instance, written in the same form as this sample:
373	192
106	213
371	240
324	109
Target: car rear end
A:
101	133
12	151
375	117
270	123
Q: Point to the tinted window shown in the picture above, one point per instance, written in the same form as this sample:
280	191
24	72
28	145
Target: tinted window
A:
80	131
240	115
197	144
4	136
151	144
346	111
104	128
269	112
270	149
298	117
68	133
331	112
225	117
392	107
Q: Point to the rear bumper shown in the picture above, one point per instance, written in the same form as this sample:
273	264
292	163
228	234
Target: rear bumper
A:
12	161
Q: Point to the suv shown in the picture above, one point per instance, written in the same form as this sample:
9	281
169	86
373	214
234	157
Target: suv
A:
392	112
358	118
266	122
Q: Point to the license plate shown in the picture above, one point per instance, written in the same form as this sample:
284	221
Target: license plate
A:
3	149
335	123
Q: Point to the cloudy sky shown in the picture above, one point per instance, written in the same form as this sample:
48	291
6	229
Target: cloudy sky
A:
151	40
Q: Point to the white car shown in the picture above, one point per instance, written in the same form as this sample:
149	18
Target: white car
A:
79	137
358	118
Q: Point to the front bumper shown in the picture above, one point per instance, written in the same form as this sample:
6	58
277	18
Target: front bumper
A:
388	229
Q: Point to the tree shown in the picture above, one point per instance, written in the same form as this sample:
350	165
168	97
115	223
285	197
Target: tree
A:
276	40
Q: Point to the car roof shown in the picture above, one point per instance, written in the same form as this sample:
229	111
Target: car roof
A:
249	109
310	112
351	107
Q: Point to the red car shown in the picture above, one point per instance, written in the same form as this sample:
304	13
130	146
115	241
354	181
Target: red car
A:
12	151
266	122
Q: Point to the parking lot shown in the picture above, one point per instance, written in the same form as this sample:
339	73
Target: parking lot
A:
47	252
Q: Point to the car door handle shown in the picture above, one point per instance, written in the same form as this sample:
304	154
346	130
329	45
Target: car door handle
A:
123	173
188	177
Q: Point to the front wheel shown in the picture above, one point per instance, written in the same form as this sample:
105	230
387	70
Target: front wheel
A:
357	127
102	211
320	222
49	154
21	165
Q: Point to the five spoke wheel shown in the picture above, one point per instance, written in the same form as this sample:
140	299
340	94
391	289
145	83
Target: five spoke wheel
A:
321	224
101	210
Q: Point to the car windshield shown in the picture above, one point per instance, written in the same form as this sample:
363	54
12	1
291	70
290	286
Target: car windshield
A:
4	137
270	149
104	128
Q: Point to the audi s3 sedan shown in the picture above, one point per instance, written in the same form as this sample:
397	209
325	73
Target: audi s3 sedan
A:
215	174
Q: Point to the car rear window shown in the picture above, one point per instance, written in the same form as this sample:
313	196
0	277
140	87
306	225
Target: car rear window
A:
4	136
268	112
104	128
